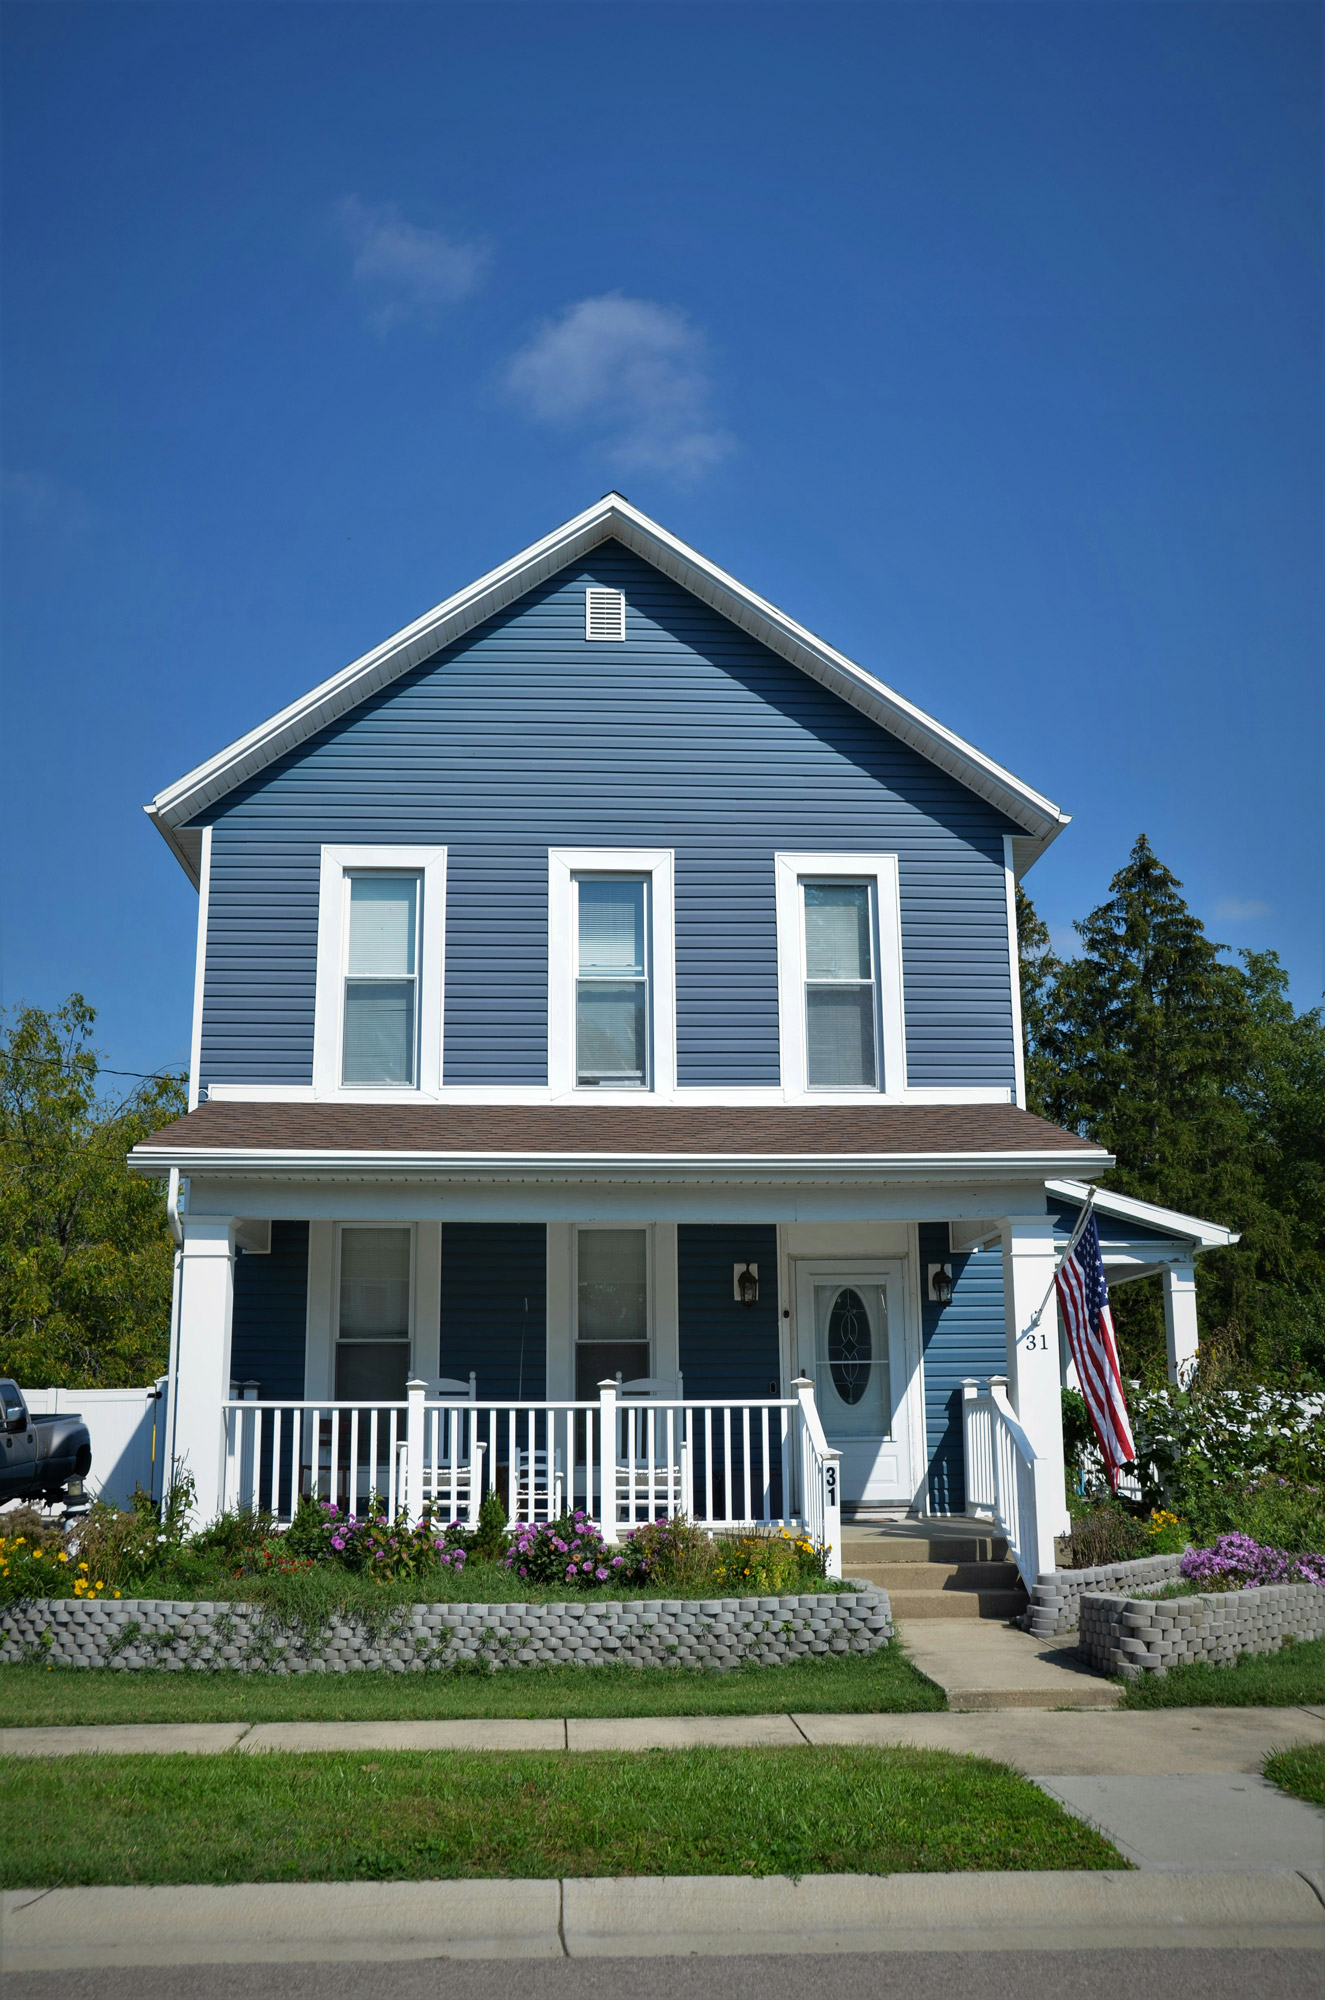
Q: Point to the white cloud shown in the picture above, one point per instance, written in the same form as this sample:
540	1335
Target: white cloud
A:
1228	910
632	371
410	272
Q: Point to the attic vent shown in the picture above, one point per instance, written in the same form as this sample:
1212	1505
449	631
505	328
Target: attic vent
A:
604	614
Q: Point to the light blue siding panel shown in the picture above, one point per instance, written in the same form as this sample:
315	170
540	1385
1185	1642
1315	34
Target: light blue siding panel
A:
692	736
965	1337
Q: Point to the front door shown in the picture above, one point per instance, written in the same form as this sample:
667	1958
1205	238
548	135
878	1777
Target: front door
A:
849	1341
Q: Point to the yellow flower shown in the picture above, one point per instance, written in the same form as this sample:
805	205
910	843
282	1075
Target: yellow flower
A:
82	1565
63	1557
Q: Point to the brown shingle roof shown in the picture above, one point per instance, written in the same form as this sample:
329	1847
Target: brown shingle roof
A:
803	1130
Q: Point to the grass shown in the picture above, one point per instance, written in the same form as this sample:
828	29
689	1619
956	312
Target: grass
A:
1291	1678
280	1818
884	1682
1301	1772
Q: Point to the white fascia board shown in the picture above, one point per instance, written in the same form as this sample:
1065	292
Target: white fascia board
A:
1187	1228
611	517
155	1161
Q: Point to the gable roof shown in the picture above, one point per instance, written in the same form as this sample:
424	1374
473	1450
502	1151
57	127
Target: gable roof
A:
611	518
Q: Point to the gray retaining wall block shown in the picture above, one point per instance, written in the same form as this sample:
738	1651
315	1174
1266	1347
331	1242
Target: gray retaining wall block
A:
1133	1636
1056	1598
131	1634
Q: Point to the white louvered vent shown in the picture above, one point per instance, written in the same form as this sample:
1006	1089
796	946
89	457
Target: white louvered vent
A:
604	614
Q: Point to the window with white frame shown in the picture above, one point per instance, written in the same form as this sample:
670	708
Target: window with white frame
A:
841	992
373	1318
380	959
839	975
611	983
379	1020
611	1307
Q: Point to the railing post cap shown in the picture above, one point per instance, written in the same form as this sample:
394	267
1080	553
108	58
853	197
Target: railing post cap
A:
801	1382
416	1382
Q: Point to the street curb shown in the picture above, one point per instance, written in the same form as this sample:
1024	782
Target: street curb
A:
653	1916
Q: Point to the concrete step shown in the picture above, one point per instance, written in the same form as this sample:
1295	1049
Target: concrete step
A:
937	1576
893	1548
1002	1604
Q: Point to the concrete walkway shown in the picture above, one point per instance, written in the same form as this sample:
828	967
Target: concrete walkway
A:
988	1664
1125	1743
640	1917
1199	1820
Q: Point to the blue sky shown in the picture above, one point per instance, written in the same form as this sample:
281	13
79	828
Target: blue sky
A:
984	339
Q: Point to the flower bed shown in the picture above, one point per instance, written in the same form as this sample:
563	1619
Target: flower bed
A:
413	1638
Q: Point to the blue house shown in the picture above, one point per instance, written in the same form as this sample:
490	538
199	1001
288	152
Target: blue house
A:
607	1079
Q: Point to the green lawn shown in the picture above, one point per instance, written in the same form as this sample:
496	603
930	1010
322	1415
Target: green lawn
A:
276	1818
885	1682
1301	1772
1290	1678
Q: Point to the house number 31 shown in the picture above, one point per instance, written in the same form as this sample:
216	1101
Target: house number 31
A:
830	1477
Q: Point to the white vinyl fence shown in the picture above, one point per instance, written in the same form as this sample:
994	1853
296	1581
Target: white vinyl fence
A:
128	1432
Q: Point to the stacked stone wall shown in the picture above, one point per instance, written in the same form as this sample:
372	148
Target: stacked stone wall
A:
1056	1598
1133	1636
131	1634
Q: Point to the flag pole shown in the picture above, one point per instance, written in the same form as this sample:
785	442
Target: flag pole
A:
1087	1211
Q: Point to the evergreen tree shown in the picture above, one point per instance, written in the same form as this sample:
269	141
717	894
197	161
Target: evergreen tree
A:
1210	1090
86	1259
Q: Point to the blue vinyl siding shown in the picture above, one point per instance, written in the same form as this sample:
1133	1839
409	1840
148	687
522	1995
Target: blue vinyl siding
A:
965	1337
521	737
270	1322
727	1349
494	1306
1112	1228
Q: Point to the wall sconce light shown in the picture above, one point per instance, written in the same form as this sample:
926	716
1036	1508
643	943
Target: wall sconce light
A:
745	1283
940	1283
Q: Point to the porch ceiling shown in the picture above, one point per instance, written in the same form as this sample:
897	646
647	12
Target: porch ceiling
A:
465	1140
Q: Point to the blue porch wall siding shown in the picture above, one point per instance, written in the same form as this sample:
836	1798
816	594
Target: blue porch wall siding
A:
690	735
965	1337
270	1320
727	1349
494	1306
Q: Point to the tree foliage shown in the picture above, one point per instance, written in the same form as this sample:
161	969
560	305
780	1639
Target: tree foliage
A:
85	1252
1209	1087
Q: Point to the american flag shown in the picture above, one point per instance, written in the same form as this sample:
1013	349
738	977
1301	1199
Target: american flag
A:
1083	1297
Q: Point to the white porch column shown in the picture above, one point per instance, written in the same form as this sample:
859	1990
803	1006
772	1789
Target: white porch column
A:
206	1297
1034	1378
1180	1328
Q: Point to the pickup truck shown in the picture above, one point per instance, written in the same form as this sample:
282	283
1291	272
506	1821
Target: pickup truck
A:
41	1457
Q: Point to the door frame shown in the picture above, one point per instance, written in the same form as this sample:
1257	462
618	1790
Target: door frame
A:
905	1383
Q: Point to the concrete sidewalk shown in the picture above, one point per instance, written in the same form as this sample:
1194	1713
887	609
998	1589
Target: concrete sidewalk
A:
1065	1743
1226	1823
638	1917
986	1664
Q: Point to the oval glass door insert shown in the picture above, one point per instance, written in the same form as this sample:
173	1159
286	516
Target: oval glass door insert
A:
850	1345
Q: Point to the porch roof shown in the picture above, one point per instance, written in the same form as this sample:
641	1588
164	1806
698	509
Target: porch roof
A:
456	1138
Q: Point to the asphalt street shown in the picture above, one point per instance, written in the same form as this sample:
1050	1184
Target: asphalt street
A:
1176	1974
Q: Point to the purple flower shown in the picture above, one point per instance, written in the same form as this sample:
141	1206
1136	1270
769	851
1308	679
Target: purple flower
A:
601	1574
338	1542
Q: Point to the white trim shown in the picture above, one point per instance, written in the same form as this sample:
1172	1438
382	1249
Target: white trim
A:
564	864
611	518
200	968
319	1377
1014	972
1206	1235
706	1097
872	1169
790	870
429	863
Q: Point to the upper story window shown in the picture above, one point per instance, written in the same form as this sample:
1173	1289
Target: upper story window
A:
841	994
840	1019
611	979
380	961
380	1017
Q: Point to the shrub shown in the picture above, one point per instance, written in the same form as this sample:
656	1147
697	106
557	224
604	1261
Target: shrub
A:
1236	1562
1106	1534
1271	1510
570	1551
490	1541
1194	1451
772	1564
673	1553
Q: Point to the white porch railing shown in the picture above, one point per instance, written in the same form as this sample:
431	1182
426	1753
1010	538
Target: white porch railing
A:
1005	1479
726	1464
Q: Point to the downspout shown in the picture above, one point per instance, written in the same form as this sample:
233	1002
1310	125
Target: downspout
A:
176	1301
